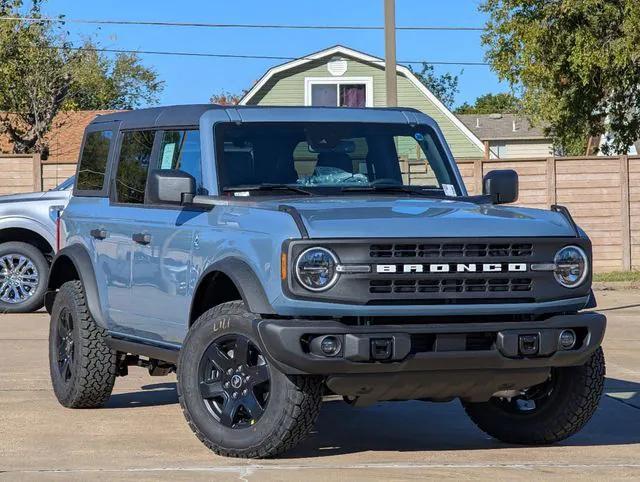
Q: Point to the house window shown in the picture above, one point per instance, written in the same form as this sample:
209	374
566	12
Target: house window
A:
339	92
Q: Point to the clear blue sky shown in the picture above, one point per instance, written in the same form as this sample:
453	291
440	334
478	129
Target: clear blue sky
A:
196	79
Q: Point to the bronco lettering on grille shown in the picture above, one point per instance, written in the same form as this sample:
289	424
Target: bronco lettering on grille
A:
453	268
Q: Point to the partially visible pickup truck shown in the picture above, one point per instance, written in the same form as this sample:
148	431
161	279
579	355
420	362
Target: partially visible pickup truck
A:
27	245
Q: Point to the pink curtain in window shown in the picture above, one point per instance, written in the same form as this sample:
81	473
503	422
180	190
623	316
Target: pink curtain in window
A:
353	96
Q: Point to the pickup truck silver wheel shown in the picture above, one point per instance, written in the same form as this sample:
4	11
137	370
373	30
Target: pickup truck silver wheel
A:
235	401
545	413
23	274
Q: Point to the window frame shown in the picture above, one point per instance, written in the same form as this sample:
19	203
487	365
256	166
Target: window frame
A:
309	82
92	128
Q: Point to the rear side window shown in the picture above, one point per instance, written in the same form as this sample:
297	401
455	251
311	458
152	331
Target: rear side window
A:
133	164
93	161
181	150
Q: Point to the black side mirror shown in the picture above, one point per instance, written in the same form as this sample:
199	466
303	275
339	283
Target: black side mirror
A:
501	185
171	186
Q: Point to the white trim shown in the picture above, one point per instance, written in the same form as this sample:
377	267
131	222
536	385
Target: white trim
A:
367	81
340	49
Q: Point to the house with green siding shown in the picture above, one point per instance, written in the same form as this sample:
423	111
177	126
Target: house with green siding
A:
340	76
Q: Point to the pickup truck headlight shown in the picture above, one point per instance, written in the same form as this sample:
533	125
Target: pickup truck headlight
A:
316	269
572	266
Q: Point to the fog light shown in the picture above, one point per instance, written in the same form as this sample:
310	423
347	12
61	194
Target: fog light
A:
330	345
567	339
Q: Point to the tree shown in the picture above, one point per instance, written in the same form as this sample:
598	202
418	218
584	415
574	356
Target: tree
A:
576	62
444	87
503	103
41	73
227	98
120	84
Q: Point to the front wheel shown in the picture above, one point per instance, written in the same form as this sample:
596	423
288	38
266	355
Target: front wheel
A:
545	413
235	402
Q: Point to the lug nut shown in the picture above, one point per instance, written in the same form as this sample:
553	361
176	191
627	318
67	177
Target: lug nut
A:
244	392
226	384
230	371
235	395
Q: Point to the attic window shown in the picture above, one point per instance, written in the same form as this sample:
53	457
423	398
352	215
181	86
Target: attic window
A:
338	93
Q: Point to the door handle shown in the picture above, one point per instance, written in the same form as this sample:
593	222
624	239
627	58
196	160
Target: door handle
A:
141	238
98	233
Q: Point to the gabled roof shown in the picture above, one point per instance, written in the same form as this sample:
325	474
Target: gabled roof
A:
496	127
364	57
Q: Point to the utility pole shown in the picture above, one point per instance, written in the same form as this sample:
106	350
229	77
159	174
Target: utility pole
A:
390	52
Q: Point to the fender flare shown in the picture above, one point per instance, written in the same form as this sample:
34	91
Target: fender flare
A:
245	279
59	274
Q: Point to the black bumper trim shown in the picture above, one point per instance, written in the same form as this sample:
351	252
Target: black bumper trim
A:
281	340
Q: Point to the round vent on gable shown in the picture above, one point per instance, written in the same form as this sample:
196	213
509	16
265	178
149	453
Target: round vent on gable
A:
337	66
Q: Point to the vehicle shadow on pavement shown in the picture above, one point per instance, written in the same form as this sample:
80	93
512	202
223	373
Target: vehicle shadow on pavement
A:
418	426
151	395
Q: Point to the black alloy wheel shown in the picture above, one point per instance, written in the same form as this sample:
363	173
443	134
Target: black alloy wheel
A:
65	345
234	381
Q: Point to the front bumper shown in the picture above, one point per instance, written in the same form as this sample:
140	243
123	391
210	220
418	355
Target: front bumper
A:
470	360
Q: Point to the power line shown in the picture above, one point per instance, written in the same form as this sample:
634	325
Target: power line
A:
236	25
239	56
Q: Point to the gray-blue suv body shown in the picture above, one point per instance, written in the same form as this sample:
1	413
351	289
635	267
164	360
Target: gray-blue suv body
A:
272	256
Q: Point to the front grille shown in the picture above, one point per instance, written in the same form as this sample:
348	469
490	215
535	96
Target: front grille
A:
440	271
449	285
451	250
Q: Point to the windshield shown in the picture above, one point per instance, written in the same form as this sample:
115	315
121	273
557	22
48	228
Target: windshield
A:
342	157
65	185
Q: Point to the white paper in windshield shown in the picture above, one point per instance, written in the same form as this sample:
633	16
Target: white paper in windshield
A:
449	190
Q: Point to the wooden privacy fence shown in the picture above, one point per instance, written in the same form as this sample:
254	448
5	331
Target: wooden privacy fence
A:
602	193
27	173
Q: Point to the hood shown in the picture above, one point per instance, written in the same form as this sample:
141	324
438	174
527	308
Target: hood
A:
391	217
35	196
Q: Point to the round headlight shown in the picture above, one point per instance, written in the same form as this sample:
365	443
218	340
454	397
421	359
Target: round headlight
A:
572	266
316	269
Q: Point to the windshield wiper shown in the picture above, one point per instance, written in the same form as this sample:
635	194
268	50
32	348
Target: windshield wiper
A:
392	189
268	187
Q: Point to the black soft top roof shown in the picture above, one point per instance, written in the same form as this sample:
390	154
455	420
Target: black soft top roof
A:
189	115
174	115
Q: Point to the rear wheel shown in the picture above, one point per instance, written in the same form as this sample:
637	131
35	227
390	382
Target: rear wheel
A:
545	413
237	403
23	277
82	365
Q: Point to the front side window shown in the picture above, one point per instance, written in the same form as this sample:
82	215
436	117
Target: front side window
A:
316	156
93	161
181	150
133	164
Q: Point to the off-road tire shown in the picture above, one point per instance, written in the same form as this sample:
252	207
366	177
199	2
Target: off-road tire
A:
292	408
578	394
36	301
94	366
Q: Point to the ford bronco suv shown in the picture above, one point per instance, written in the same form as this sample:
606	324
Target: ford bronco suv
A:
272	256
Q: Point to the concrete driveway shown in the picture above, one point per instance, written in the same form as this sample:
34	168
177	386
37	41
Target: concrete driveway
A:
142	435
